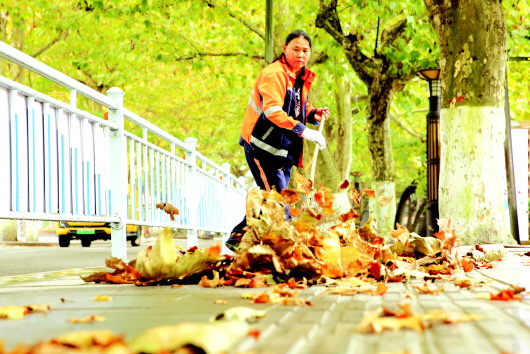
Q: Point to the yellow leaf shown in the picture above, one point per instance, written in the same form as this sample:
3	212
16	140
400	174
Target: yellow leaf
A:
87	319
18	312
13	312
158	262
102	298
87	339
213	338
162	262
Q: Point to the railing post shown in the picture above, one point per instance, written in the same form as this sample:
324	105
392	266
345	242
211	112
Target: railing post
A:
191	191
227	212
118	176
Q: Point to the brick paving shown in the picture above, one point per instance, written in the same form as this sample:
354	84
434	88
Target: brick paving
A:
328	326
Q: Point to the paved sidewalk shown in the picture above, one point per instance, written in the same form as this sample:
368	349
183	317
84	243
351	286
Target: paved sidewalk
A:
328	326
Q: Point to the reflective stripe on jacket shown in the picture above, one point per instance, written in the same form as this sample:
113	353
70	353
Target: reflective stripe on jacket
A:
269	126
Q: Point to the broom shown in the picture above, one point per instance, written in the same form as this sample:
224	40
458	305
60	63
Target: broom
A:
315	153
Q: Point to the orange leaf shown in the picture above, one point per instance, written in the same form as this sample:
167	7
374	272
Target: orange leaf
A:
290	197
294	211
263	298
505	295
381	289
348	216
467	264
220	302
254	333
356	196
375	269
344	184
169	209
369	192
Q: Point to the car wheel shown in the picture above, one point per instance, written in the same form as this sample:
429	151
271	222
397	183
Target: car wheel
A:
64	240
86	241
135	241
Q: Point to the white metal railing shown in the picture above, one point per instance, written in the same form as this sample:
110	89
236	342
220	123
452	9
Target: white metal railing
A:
65	164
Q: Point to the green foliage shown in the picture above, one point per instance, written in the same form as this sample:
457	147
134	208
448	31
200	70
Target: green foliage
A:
188	66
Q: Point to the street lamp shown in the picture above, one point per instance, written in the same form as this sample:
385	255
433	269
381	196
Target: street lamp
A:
432	75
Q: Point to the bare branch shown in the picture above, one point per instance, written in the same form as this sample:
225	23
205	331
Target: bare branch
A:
389	35
328	19
62	34
400	124
240	19
199	54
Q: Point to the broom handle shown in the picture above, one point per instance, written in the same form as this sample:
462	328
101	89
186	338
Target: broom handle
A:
315	153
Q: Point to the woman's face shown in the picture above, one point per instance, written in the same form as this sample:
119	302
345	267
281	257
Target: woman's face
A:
297	52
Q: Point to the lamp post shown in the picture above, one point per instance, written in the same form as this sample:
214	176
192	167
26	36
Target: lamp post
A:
432	76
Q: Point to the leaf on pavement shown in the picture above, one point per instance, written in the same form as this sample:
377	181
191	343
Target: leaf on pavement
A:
87	319
216	337
102	298
380	289
240	314
507	295
163	262
381	319
426	289
468	265
18	312
82	342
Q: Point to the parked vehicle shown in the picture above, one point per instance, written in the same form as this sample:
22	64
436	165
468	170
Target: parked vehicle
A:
90	231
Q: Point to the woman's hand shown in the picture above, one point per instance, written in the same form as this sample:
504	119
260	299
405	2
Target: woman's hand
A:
322	113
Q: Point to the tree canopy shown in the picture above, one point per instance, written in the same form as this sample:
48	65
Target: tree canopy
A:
188	66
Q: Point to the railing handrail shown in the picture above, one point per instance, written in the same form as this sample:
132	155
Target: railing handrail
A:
32	64
59	104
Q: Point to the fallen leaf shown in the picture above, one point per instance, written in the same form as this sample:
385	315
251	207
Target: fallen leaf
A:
102	298
169	209
290	197
344	184
369	192
87	319
240	314
18	312
216	337
379	320
505	295
426	289
467	264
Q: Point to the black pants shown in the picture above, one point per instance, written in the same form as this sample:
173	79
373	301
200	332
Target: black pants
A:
266	178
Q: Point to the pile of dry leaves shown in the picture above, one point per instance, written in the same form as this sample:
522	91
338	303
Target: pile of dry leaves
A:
316	245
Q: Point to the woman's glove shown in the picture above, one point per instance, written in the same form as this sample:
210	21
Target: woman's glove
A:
316	136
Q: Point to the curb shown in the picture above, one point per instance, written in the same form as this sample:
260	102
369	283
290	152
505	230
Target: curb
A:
56	274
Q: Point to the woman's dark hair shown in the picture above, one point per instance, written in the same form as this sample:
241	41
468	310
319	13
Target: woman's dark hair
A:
296	34
293	35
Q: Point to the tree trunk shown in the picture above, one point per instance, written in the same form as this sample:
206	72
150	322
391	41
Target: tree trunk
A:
383	207
344	133
472	37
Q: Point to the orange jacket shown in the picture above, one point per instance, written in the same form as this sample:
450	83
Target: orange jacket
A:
270	100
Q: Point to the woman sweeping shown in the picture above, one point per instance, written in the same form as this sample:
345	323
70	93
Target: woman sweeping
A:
274	125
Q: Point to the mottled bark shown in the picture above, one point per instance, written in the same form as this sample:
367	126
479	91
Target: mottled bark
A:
472	37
